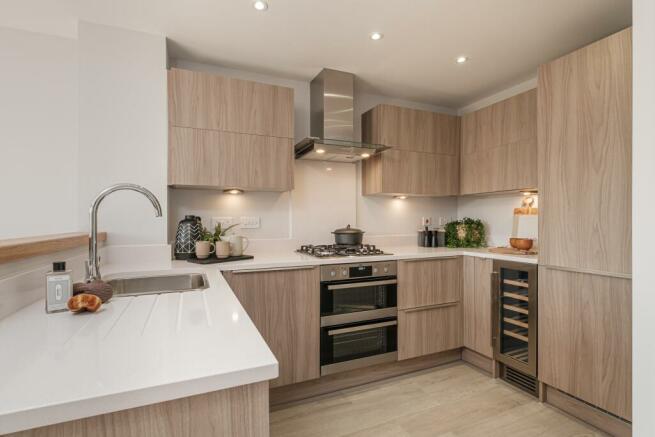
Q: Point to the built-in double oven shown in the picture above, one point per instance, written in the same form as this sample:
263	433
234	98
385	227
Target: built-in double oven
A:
359	324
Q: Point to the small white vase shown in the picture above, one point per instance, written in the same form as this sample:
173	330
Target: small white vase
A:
222	249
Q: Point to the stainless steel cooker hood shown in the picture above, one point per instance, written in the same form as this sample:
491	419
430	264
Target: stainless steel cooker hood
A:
332	121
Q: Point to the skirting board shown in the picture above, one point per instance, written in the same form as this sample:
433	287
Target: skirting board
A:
331	383
480	361
587	413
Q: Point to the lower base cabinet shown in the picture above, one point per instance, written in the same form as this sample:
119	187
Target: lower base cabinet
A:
476	299
284	305
430	329
585	337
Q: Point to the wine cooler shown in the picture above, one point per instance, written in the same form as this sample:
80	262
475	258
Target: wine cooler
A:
515	317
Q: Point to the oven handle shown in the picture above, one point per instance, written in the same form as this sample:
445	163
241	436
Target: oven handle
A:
362	327
362	284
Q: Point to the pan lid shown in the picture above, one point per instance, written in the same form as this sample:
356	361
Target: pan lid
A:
348	230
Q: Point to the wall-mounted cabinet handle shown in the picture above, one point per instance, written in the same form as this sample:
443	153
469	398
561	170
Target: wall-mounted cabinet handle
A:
272	269
362	284
431	307
361	328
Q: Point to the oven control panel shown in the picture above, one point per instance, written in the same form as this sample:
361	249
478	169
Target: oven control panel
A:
339	272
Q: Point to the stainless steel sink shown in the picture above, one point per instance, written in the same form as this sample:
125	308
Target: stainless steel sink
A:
134	286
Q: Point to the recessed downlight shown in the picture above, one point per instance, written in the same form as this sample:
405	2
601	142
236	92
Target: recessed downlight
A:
365	155
260	5
401	197
461	59
233	191
320	151
376	36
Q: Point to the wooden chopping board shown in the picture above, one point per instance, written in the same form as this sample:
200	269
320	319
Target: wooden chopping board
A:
512	251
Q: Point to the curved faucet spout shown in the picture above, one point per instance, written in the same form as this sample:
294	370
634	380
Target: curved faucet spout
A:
92	265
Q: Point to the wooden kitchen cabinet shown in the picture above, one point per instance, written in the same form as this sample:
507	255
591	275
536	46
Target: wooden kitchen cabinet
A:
585	157
208	101
229	133
424	155
425	282
476	302
499	146
205	158
428	330
284	305
585	337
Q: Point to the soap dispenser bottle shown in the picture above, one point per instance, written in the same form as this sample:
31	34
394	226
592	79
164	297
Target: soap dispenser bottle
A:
59	288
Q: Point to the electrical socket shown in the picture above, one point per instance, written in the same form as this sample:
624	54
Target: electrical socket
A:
249	222
443	221
426	221
224	221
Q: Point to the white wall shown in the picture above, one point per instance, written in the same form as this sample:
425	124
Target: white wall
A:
38	121
497	212
322	200
123	129
643	211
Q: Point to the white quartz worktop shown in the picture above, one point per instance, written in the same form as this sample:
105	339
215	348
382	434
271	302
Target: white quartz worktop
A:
289	258
152	348
135	351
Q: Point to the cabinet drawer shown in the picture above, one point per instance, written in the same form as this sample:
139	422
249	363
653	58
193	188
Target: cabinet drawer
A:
427	330
429	282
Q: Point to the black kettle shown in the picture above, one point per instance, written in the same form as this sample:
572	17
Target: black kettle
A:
189	231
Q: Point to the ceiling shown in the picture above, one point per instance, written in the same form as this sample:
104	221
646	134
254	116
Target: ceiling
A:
505	39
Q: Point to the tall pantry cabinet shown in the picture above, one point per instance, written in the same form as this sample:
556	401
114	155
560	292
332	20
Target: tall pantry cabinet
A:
584	160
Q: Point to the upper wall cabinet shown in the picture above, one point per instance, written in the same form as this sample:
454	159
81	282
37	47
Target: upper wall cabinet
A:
207	101
424	155
499	146
229	133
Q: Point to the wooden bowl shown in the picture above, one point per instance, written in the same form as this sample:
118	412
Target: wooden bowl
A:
521	243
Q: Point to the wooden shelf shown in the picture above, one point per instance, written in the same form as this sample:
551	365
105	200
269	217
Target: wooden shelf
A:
516	283
515	309
19	248
516	322
515	296
516	334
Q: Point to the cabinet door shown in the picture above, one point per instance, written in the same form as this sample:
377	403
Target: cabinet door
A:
206	158
208	101
585	157
499	146
428	330
476	302
285	307
407	172
429	282
585	332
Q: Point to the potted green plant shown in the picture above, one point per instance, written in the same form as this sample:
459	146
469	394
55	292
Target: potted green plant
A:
467	232
205	246
221	244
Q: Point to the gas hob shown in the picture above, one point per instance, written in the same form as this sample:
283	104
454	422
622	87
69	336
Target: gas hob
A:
333	250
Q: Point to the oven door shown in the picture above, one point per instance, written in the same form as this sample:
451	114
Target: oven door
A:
358	300
357	345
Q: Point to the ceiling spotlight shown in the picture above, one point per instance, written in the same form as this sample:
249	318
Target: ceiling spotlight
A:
260	5
233	191
401	197
365	155
319	151
328	168
376	36
461	59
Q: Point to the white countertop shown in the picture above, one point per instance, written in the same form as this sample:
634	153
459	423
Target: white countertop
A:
135	351
288	258
147	349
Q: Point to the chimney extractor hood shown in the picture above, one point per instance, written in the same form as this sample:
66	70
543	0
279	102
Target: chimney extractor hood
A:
331	121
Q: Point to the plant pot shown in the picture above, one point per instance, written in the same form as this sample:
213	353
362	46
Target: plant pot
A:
222	249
